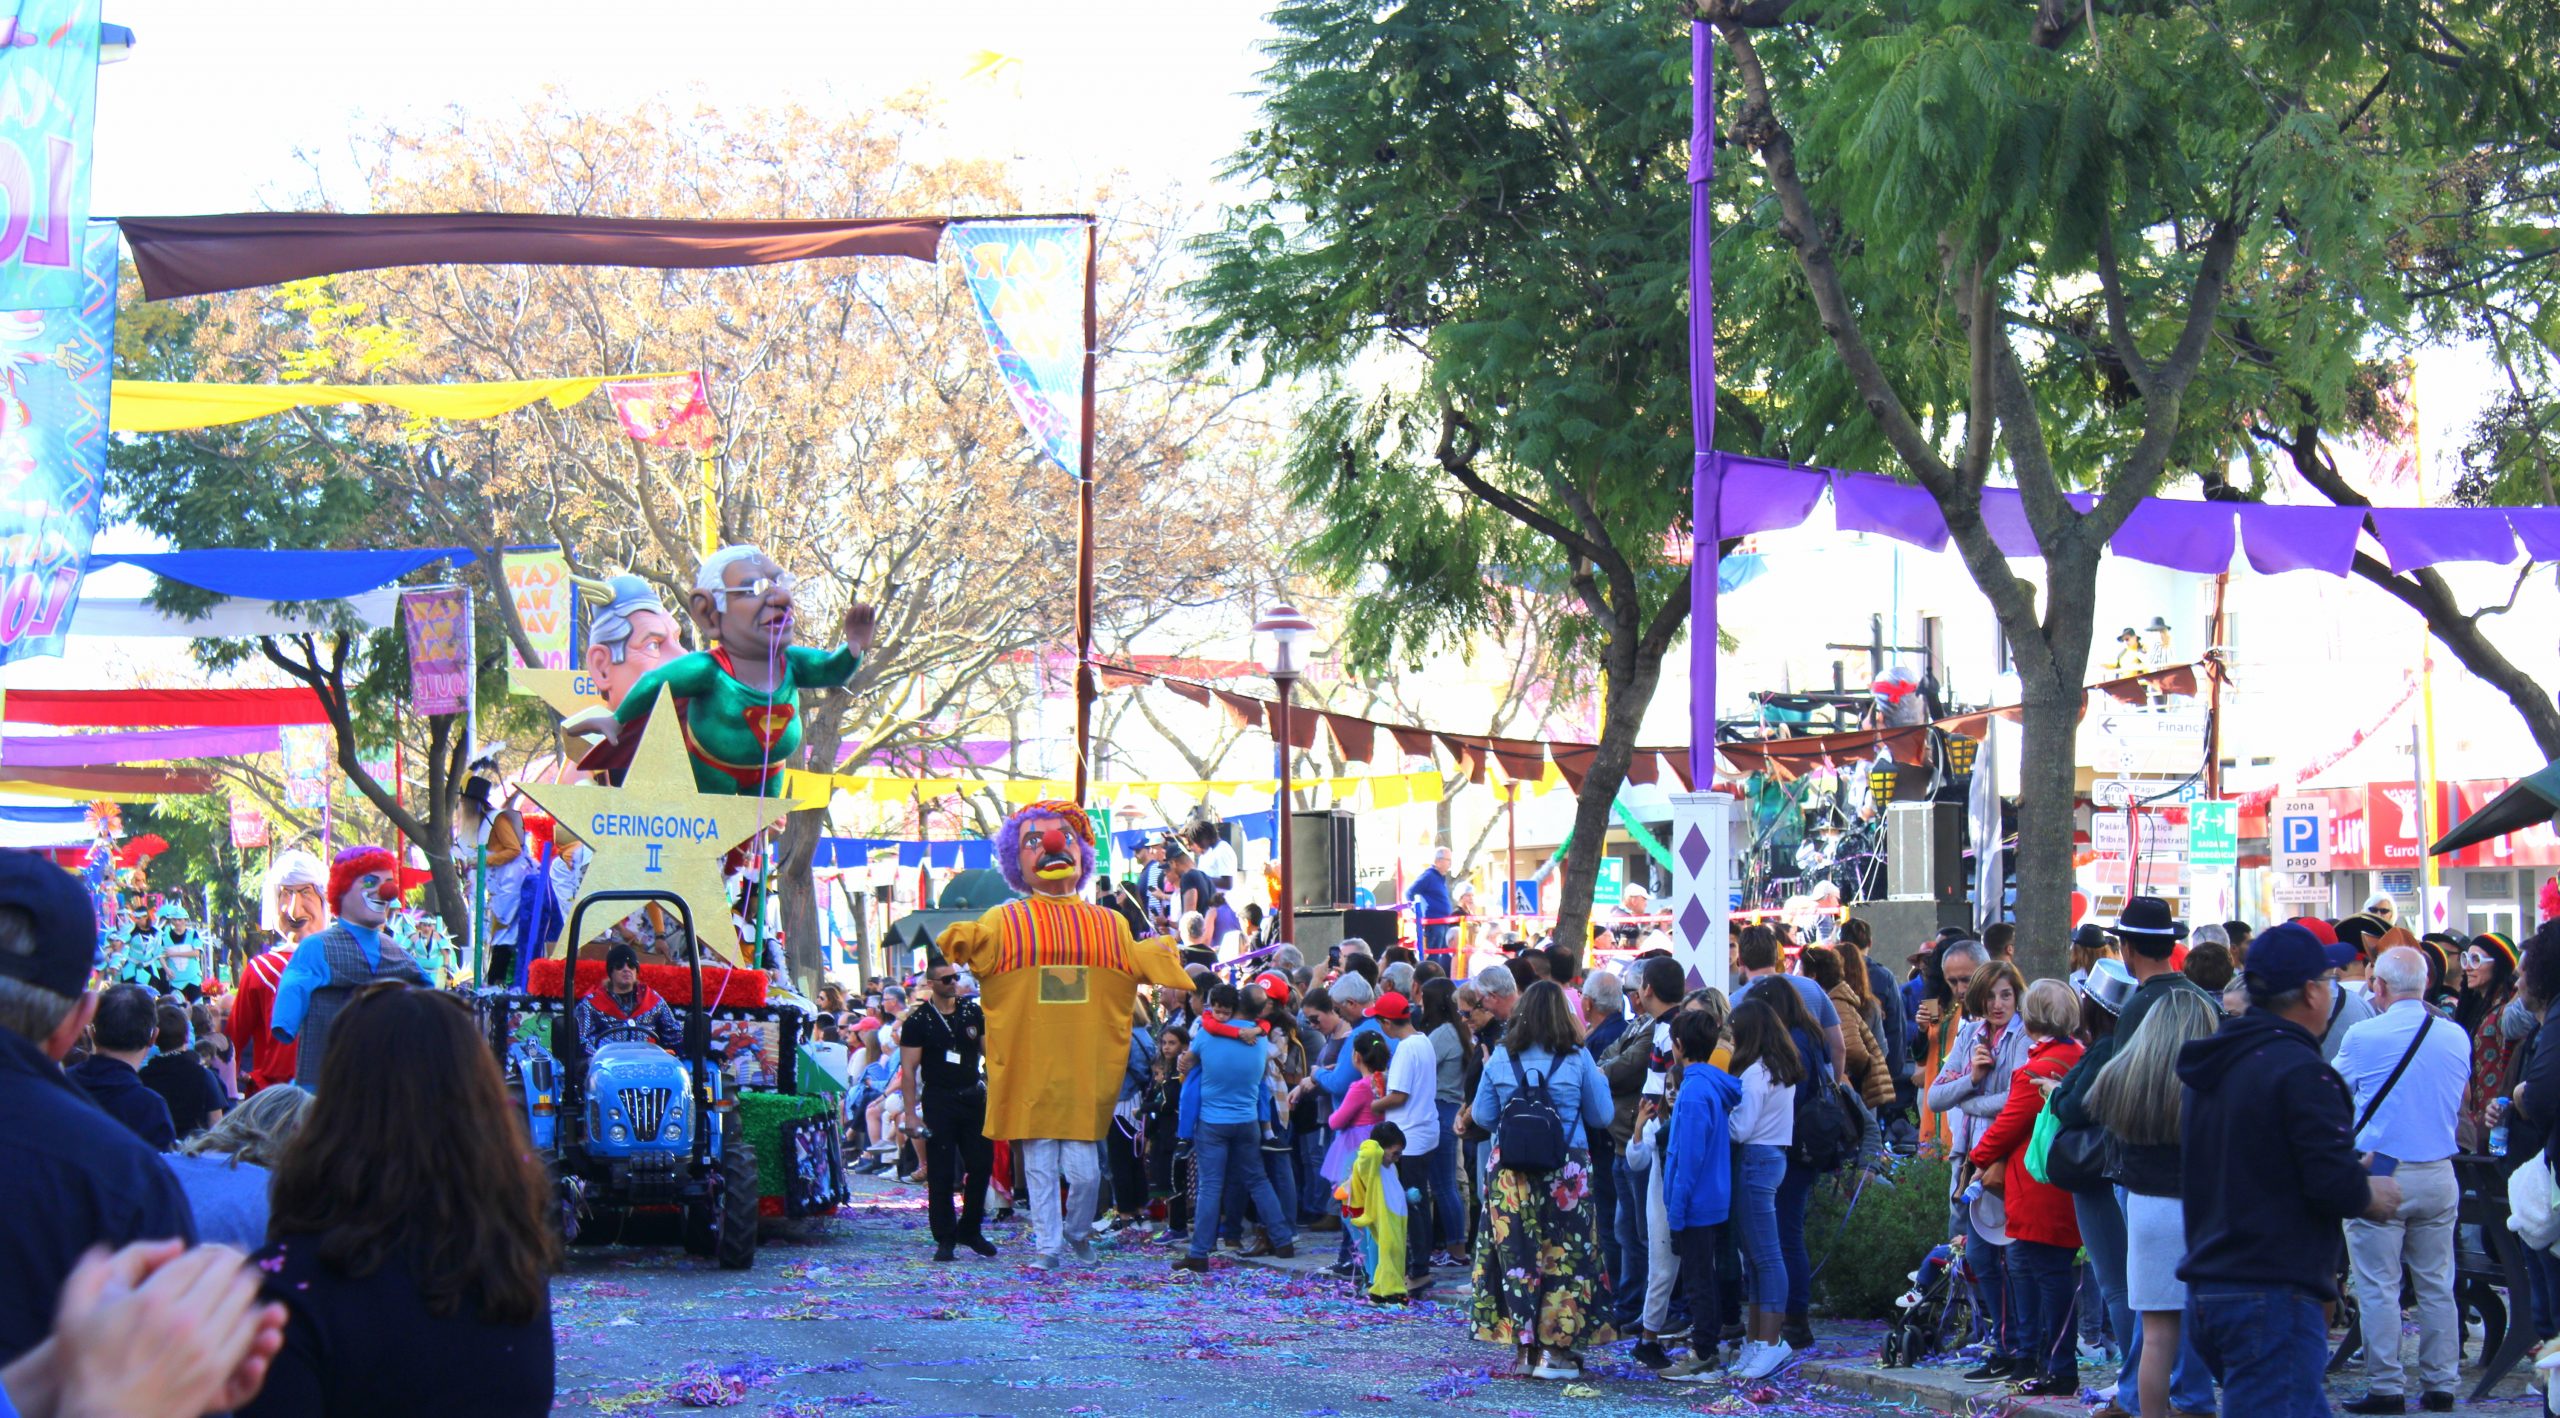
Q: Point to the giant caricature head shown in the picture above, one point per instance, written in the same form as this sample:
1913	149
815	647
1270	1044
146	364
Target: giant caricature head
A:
629	635
743	599
1046	849
363	885
293	907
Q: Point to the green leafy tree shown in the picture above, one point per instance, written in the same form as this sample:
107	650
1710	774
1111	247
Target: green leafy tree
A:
1466	249
2085	246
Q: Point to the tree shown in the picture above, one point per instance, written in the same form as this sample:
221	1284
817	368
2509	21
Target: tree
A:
1465	246
2080	244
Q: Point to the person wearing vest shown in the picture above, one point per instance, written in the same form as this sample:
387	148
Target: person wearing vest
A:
352	953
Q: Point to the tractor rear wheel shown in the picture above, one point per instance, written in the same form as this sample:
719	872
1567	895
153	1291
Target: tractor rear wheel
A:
736	1248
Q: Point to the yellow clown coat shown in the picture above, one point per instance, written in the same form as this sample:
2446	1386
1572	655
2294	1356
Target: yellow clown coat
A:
1373	1200
1058	979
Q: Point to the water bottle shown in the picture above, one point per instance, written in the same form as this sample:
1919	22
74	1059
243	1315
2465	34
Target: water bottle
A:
1972	1193
2498	1132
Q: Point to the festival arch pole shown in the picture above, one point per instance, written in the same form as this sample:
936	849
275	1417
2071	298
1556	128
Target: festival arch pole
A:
1701	829
1085	688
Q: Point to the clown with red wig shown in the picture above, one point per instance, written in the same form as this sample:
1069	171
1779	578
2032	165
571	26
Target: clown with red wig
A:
1058	979
352	953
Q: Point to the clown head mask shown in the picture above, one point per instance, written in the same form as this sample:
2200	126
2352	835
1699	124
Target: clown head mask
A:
363	886
1046	849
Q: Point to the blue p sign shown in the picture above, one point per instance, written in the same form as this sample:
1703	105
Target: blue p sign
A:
2301	834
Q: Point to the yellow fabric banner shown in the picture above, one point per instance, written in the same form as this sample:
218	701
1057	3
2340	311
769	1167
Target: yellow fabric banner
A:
153	406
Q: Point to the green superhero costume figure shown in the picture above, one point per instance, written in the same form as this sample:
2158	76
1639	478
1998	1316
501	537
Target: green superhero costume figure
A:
739	702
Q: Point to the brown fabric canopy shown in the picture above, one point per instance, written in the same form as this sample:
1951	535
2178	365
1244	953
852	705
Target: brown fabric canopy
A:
202	255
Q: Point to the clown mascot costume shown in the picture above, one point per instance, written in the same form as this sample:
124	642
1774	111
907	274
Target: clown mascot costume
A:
1058	978
352	953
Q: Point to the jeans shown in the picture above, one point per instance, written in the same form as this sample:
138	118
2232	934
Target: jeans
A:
1128	1170
1315	1194
1435	945
1755	1209
1699	1249
2102	1239
1278	1168
1995	1299
2542	1272
2268	1348
1604	1200
2047	1283
1794	1192
1221	1150
957	1159
2418	1239
1630	1226
1442	1182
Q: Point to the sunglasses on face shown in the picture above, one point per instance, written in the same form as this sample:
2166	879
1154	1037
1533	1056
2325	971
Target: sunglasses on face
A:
760	588
943	979
2474	959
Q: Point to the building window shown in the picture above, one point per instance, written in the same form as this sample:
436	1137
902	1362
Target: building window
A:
2490	885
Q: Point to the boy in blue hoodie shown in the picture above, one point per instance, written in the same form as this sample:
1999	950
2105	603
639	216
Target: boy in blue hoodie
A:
1697	1180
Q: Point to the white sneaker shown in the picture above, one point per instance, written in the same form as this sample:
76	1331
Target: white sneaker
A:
1759	1360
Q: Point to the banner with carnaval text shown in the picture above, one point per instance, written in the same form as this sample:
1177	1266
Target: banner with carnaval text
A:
53	451
439	624
1027	280
48	105
538	585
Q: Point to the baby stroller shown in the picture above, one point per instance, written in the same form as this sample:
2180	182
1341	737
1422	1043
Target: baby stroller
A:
1935	1316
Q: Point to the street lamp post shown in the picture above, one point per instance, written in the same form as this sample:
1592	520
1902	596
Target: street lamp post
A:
1283	625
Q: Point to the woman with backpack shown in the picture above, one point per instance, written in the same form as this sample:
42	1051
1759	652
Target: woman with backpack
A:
1537	1262
1767	1062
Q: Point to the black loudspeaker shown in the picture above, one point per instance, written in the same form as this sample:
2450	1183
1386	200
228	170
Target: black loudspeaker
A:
1906	925
1320	845
1924	851
1378	928
1317	932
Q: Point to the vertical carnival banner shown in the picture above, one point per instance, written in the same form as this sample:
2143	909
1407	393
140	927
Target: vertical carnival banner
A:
439	658
1027	280
538	585
306	766
53	452
48	104
248	825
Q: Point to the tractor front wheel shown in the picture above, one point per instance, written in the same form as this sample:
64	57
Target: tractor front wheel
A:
736	1245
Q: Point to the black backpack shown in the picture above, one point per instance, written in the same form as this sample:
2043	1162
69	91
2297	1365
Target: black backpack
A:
1828	1130
1529	1136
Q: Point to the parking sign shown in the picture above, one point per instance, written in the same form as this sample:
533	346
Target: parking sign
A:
2298	830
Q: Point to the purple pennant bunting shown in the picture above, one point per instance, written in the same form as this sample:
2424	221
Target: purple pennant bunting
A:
143	746
2424	536
2183	536
1761	495
2004	512
1865	503
2539	528
2283	539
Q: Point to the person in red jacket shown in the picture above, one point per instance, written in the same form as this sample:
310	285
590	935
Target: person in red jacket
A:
2044	1231
294	911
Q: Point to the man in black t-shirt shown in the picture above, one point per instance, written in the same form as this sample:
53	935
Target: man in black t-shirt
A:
941	1041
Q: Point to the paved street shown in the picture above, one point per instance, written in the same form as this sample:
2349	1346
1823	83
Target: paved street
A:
853	1317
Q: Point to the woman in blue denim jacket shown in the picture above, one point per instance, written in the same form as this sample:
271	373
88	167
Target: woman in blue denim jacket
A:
1537	1262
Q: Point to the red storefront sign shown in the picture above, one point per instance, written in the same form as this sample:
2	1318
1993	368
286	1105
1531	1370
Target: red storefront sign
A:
2377	827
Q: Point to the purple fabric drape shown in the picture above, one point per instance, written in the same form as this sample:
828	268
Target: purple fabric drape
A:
2539	529
2183	536
1865	503
2004	513
1762	495
142	746
2424	536
2283	539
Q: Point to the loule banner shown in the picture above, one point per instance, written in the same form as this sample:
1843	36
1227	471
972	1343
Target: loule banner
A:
538	585
1027	280
53	452
48	105
439	623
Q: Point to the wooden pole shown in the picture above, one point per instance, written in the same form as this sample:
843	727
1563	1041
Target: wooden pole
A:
1084	515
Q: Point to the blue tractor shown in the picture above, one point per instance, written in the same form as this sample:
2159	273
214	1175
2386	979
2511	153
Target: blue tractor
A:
633	1129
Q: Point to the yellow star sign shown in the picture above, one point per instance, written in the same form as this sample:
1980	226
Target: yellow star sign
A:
567	691
658	831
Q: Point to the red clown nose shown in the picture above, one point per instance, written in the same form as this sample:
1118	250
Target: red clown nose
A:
1054	840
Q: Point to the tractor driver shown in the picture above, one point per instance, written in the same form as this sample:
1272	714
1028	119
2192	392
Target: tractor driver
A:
622	1003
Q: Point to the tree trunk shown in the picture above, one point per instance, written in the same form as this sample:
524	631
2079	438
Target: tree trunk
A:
1630	692
2051	701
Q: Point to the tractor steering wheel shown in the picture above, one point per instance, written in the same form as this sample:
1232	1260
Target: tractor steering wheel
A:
631	1027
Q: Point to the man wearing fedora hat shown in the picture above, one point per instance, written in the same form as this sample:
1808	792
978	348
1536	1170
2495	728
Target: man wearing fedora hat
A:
2150	934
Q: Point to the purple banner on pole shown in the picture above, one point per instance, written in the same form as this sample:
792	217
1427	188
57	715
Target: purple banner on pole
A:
1760	495
439	675
2425	536
1865	503
142	746
2283	539
2183	536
